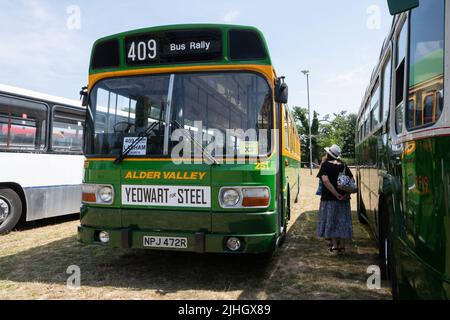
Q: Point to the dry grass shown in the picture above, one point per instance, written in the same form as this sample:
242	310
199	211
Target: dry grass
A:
33	263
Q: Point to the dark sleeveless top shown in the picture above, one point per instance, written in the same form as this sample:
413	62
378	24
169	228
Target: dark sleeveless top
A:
332	171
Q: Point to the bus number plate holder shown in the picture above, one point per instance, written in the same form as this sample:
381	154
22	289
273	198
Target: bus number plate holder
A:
165	242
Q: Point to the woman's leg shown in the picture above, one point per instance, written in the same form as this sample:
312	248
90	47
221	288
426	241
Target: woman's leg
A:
342	244
335	243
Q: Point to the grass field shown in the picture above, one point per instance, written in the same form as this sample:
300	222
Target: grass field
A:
34	260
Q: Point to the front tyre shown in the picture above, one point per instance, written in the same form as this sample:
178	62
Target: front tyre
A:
393	269
10	210
361	210
283	229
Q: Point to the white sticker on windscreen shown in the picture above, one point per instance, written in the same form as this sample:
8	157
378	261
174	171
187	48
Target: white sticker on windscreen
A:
249	148
139	149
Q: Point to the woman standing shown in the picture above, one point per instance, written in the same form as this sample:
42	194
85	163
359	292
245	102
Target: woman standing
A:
335	217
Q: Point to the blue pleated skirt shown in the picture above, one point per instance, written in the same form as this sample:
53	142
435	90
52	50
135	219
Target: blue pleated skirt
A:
335	220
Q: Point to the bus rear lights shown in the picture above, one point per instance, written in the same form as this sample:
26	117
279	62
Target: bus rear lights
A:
234	244
104	237
256	198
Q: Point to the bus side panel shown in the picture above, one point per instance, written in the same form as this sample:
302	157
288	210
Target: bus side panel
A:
294	179
373	183
45	179
49	202
291	180
364	178
424	240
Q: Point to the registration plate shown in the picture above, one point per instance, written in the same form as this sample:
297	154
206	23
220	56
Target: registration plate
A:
166	242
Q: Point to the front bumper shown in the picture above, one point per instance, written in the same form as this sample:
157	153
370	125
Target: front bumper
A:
197	242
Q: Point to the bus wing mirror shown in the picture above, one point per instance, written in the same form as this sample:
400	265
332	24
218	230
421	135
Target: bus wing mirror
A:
281	92
399	6
84	96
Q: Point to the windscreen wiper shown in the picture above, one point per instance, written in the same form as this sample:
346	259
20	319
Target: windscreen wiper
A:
204	152
141	137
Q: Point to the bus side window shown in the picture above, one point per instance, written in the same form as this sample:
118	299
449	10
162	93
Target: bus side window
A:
386	94
367	120
426	63
401	46
375	104
291	121
67	131
23	124
429	109
286	127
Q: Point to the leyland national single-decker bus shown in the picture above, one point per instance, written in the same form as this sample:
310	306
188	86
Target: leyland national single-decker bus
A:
41	156
190	145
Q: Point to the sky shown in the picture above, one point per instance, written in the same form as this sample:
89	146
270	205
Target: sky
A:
45	44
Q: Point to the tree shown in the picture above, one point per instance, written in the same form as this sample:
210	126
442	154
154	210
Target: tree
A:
341	131
301	119
336	129
315	129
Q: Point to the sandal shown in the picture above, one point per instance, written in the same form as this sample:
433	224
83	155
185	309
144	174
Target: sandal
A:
332	250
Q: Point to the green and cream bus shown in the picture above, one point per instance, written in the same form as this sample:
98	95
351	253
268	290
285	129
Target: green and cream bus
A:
403	151
190	145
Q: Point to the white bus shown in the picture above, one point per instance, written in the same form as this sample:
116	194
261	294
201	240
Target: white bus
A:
41	156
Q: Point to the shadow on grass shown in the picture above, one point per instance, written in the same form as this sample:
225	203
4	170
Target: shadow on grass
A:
305	270
296	271
24	226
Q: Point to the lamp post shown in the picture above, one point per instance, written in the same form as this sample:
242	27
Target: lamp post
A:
306	73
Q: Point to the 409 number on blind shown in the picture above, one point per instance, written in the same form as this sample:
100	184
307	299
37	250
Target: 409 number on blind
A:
143	51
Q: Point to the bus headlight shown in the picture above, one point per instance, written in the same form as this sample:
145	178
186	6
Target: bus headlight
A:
244	197
106	194
97	194
230	198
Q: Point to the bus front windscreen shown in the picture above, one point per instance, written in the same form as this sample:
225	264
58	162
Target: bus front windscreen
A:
236	106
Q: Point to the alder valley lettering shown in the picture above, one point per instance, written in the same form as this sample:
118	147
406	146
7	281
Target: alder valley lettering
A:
167	196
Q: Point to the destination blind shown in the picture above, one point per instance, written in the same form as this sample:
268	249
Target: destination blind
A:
166	196
174	47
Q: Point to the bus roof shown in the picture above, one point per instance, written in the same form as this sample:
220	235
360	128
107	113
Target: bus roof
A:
375	72
112	52
6	89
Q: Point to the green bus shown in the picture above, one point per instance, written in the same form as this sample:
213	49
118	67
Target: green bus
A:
190	145
403	152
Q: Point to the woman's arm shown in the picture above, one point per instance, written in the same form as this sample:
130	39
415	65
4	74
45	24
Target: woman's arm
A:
329	186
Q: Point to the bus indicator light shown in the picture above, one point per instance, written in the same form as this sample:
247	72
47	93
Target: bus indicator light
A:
89	198
256	197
